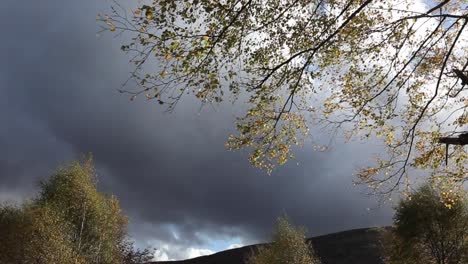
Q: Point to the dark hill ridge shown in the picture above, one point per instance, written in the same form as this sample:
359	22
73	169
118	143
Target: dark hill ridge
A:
359	246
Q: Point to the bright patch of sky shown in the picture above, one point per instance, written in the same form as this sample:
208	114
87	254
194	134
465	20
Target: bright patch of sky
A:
168	252
10	197
220	245
164	254
197	252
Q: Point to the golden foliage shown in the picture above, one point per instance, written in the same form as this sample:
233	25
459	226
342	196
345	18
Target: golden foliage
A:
69	222
376	69
289	246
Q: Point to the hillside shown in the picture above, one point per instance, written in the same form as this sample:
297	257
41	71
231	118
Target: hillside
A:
359	246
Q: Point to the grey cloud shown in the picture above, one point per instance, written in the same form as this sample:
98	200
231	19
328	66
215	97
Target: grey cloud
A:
171	172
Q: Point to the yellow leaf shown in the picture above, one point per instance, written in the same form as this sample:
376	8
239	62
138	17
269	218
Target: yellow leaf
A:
149	14
168	57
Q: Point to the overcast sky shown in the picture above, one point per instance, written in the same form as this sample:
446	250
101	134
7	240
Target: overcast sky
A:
184	193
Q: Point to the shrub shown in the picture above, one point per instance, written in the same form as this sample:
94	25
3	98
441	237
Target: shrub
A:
289	246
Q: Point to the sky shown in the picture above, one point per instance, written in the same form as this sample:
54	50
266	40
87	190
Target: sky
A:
184	193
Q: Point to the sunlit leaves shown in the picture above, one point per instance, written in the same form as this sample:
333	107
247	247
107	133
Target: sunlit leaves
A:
96	223
376	69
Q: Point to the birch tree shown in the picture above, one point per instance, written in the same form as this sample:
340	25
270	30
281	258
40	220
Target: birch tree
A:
431	227
393	71
69	221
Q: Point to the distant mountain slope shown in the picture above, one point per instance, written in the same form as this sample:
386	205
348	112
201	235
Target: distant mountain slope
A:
359	246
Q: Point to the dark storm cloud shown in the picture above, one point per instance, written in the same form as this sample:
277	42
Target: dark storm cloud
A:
171	172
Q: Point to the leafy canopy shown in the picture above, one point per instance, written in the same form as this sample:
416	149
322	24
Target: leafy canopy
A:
372	68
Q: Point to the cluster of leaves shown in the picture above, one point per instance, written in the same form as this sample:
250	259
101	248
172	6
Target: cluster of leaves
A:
371	67
34	235
68	222
427	230
289	246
